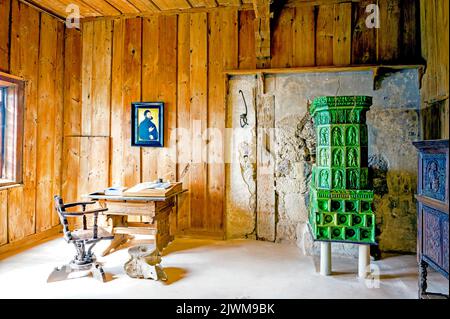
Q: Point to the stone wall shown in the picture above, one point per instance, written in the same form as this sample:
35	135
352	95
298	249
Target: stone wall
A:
393	124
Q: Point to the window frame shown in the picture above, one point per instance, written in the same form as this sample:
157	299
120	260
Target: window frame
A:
14	150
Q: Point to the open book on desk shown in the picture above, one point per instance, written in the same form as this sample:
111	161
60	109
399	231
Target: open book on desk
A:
155	189
115	191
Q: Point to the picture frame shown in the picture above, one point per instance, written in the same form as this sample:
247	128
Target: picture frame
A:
147	124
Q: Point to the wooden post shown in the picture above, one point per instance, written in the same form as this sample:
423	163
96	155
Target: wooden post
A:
325	258
364	261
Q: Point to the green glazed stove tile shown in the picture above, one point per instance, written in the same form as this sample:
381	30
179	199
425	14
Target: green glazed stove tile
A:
340	193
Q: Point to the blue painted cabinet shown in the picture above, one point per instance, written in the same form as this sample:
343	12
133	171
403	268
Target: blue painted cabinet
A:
433	204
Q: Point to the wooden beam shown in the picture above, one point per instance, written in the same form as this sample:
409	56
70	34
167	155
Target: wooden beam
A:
262	32
314	69
194	9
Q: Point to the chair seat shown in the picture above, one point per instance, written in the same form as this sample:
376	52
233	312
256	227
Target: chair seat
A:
88	234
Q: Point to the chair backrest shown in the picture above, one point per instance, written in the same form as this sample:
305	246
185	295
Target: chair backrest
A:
59	206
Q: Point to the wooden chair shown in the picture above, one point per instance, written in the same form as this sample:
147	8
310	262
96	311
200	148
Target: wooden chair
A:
85	259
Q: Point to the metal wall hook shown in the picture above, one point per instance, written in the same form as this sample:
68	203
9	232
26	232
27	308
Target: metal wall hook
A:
243	117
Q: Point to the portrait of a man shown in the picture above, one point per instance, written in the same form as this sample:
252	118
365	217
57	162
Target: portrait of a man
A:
147	124
147	128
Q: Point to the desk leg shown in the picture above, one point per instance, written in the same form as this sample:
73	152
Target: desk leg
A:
118	239
163	237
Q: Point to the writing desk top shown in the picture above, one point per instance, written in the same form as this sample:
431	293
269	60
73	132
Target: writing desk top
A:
102	196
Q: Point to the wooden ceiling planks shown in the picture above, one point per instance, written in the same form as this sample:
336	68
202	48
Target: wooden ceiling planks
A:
111	8
144	5
229	2
123	6
172	4
203	3
54	6
103	7
85	10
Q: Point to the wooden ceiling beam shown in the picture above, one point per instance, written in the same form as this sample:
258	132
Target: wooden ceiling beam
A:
267	13
58	13
262	32
165	12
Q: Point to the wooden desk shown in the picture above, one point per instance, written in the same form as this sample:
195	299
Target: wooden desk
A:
158	209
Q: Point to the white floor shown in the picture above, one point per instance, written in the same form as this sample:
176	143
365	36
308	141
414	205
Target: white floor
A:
213	269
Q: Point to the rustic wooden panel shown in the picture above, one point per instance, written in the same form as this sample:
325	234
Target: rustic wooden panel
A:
24	63
71	163
435	50
324	35
342	39
198	116
364	39
4	34
410	31
3	217
72	83
282	48
304	40
89	156
58	98
94	162
97	77
101	79
222	55
151	87
159	80
168	93
117	107
389	34
442	10
184	146
247	53
429	39
131	93
86	79
47	116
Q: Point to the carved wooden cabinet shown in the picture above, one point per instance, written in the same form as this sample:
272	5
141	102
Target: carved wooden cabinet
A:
433	204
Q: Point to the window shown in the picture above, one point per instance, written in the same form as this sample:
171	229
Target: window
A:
11	130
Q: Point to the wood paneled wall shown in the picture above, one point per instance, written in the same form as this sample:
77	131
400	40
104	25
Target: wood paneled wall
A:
32	47
180	58
435	51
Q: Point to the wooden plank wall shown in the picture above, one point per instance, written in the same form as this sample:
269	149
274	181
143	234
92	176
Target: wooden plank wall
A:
435	51
179	59
32	47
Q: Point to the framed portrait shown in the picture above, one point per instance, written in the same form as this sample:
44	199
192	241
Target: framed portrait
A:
147	124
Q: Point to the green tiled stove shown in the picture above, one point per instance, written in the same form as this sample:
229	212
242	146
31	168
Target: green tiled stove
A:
340	194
